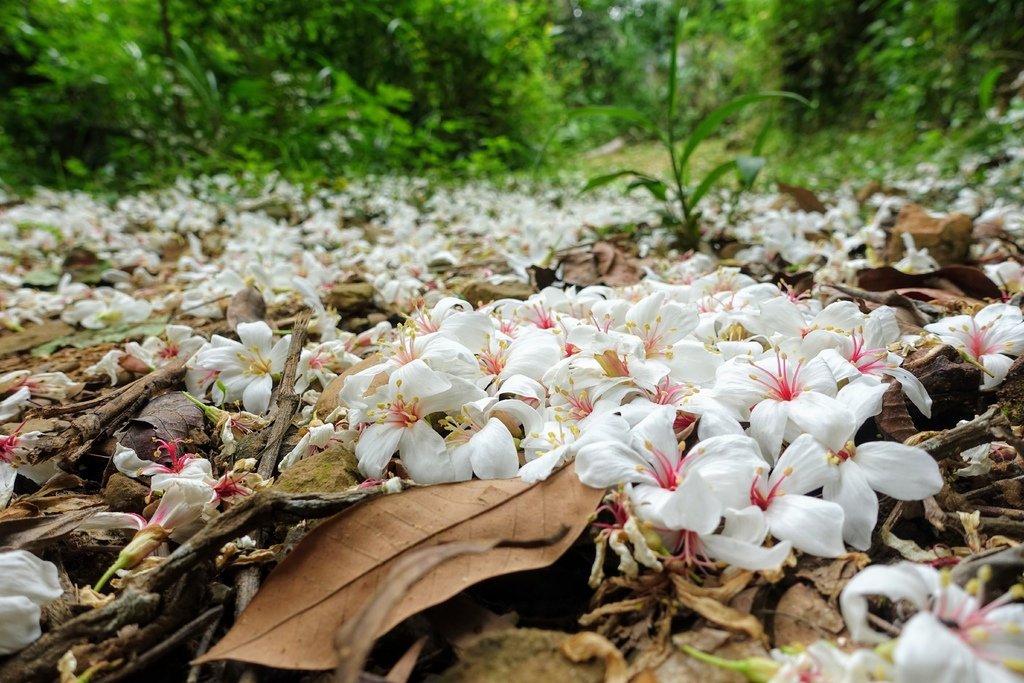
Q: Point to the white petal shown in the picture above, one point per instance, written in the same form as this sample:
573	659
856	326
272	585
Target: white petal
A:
428	459
812	525
19	625
928	652
822	416
692	506
24	574
998	365
493	453
256	335
903	472
768	424
746	555
256	397
804	466
860	504
913	389
375	447
863	398
609	463
7	476
897	582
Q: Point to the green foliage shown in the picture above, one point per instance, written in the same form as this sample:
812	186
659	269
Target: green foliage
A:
110	88
681	193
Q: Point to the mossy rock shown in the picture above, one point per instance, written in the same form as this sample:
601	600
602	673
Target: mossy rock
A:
329	471
524	655
479	292
350	297
123	494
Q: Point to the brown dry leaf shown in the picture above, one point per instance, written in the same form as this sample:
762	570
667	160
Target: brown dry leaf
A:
831	577
604	264
247	306
328	400
803	617
716	612
356	636
33	533
170	417
960	280
805	199
403	668
33	336
589	645
332	573
894	421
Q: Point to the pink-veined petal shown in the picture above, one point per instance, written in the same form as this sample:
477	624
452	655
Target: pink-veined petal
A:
928	652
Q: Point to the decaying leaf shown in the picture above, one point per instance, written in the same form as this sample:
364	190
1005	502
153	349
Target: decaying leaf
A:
960	280
805	199
802	616
356	636
171	416
247	306
711	608
894	421
33	533
335	570
604	264
89	338
589	645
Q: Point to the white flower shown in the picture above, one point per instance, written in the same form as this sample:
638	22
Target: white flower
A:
398	421
788	396
26	583
955	637
989	337
109	308
245	370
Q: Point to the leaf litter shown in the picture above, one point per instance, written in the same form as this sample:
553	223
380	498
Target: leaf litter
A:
101	405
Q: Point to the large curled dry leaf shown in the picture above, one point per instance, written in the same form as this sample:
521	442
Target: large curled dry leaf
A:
334	571
168	417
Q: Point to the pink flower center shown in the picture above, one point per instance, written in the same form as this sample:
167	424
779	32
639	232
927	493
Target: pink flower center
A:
402	412
784	383
764	499
868	361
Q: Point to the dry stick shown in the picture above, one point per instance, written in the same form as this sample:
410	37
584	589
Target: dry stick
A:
166	645
104	420
247	582
954	441
145	601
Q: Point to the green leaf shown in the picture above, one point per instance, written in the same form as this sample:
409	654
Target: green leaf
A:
988	86
709	181
715	119
42	277
622	113
749	167
602	180
89	338
657	188
673	67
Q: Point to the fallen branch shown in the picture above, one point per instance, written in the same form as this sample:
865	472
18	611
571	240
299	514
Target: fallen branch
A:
171	595
952	442
77	439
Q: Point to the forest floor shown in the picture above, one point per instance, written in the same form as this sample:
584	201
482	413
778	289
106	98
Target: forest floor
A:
394	431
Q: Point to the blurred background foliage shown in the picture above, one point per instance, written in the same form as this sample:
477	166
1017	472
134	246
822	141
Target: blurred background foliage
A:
129	92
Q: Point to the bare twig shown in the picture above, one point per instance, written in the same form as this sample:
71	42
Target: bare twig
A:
952	442
76	440
172	594
247	582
